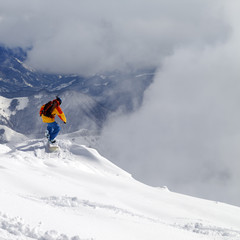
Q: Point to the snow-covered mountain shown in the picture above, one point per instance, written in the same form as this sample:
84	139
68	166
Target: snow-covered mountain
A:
22	114
77	194
87	101
19	79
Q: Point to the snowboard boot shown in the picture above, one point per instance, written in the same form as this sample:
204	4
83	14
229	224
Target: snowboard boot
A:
52	141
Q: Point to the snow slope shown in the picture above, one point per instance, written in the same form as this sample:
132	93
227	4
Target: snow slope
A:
77	194
8	135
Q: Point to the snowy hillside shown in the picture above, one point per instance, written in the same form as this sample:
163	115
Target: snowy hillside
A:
77	194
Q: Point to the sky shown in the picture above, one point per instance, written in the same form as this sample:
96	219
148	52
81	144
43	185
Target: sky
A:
186	134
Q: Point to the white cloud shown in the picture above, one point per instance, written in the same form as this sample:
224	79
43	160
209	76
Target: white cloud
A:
90	36
187	134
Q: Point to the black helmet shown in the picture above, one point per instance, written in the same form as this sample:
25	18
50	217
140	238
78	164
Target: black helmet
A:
59	100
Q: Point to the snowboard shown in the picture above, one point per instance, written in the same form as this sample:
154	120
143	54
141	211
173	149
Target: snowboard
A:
52	147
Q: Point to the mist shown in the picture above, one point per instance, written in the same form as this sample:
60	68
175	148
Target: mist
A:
186	135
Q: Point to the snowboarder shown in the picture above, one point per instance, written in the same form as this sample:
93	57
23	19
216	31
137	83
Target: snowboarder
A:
48	112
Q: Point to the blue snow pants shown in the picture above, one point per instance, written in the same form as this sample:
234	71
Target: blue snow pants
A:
53	129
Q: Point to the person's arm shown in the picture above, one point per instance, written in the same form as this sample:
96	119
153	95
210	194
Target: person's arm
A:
61	114
41	110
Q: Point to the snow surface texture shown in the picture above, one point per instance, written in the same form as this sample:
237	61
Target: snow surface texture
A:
76	194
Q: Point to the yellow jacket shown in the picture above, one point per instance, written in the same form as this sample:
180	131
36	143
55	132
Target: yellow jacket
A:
57	111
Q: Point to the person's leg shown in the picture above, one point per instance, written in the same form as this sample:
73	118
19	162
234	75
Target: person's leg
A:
47	135
53	129
49	130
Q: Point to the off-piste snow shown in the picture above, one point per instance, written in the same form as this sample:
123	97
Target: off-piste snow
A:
76	194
